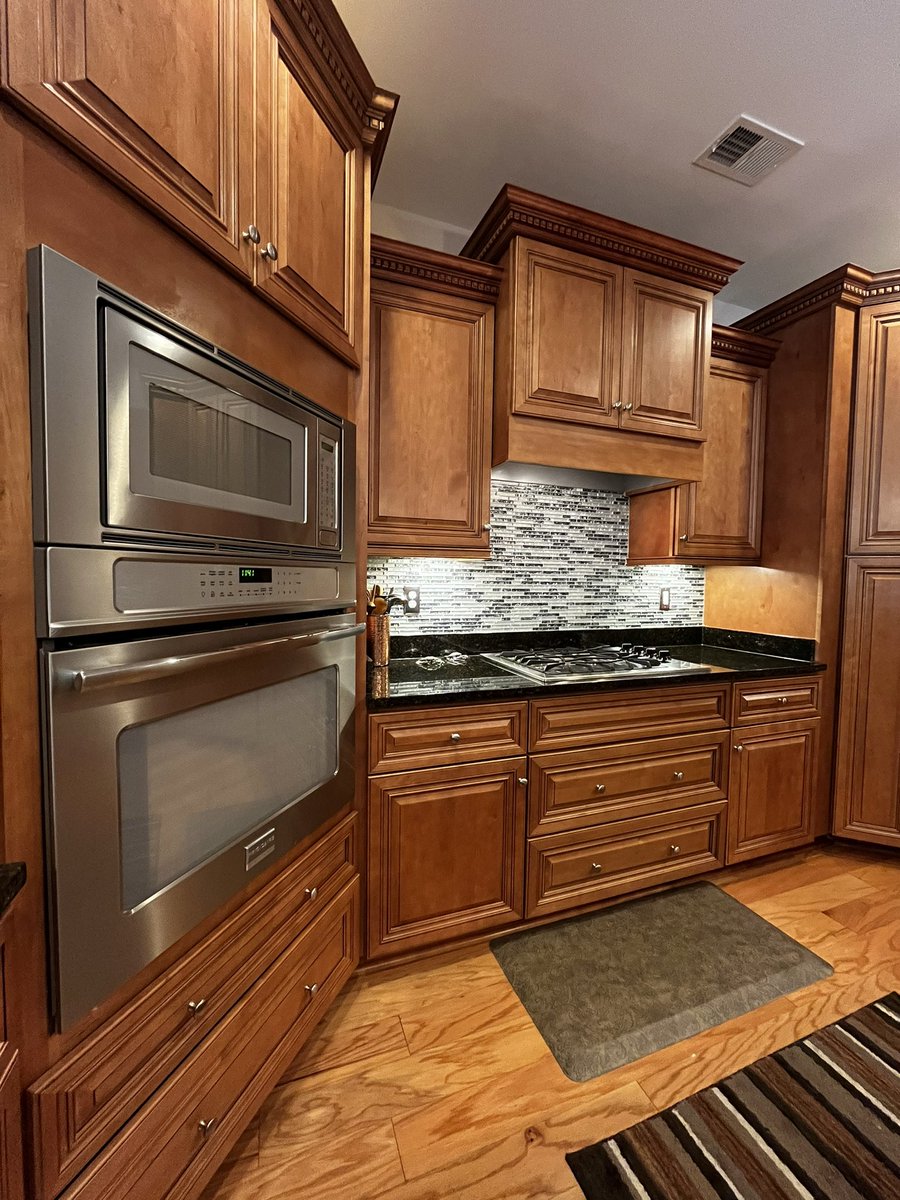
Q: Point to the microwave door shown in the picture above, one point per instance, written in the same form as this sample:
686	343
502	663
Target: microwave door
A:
178	769
196	449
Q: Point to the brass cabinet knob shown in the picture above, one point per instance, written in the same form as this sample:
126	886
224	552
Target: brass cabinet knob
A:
486	528
207	1126
782	699
523	781
312	988
739	748
617	404
600	787
674	848
455	737
679	775
270	251
312	892
195	1007
251	234
596	866
628	407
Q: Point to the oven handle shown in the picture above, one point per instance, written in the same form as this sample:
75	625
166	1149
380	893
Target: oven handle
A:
163	668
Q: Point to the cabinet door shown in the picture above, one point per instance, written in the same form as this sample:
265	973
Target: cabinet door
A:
310	191
875	492
773	774
720	518
11	1181
567	336
446	854
867	776
430	422
666	337
154	95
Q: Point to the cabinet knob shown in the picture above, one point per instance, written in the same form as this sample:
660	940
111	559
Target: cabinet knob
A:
674	848
486	528
782	699
628	407
195	1007
600	787
596	866
455	737
251	234
739	748
682	537
679	775
523	781
312	988
207	1126
270	251
617	404
312	892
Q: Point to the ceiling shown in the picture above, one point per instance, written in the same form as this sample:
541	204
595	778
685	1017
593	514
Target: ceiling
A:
604	103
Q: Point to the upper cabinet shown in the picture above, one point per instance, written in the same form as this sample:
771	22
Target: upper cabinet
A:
242	122
720	518
431	374
603	337
875	496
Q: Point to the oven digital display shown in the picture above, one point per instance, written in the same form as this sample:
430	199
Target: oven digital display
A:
254	574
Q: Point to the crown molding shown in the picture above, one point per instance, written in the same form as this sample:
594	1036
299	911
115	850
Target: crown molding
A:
381	113
519	213
739	345
849	285
403	262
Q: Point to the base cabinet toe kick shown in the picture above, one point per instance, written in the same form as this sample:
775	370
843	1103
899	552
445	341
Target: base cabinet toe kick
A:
547	807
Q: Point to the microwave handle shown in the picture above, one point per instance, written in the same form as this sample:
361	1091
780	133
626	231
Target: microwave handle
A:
165	668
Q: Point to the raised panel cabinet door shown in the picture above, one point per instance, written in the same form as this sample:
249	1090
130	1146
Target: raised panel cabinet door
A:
12	1185
773	775
568	335
720	518
875	488
867	775
446	853
310	179
158	96
430	433
666	339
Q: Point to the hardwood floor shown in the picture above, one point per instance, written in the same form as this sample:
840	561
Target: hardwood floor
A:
430	1081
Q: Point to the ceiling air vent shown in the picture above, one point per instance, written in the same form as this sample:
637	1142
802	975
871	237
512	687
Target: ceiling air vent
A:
747	151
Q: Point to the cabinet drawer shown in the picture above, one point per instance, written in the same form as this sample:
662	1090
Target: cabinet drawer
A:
579	788
78	1106
777	699
435	737
163	1150
621	716
566	870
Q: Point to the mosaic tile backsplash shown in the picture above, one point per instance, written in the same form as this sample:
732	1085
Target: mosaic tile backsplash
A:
557	562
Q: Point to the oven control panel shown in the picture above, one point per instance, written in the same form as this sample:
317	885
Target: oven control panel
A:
166	586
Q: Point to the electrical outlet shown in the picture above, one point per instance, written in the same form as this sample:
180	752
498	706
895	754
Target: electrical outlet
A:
412	600
665	599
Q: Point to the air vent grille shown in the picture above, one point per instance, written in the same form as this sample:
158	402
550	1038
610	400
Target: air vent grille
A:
747	151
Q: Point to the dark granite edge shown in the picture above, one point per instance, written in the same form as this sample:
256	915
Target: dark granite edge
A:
12	880
776	645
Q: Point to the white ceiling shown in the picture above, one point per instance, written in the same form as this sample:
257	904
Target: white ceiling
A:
605	103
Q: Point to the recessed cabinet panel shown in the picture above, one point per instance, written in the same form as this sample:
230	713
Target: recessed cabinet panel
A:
159	98
570	326
867	789
773	773
875	496
665	365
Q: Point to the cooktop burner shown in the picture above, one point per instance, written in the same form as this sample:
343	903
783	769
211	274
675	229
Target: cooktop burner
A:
570	664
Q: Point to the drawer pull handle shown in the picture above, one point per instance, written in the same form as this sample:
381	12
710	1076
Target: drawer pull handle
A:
312	988
207	1126
196	1007
523	781
600	787
674	848
596	866
455	737
312	892
739	748
679	775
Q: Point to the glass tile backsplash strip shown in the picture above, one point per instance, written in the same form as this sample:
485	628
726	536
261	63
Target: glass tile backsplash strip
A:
557	562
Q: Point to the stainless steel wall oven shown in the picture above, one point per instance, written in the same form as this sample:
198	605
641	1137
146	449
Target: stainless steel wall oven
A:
196	635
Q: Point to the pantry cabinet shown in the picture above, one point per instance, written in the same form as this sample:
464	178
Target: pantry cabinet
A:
431	372
875	492
241	122
719	518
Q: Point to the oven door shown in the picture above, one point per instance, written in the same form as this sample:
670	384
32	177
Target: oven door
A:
196	449
178	769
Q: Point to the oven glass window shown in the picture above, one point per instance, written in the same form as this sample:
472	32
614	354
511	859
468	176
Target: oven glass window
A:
194	783
197	444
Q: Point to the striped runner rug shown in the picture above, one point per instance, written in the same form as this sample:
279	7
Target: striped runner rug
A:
819	1120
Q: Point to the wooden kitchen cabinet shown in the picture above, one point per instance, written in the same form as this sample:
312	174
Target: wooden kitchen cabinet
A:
867	772
241	122
875	490
431	372
773	777
446	853
719	518
11	1167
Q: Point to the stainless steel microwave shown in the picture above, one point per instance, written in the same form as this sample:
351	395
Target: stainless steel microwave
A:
146	435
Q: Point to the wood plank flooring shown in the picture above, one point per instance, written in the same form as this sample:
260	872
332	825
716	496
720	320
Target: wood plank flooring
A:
430	1081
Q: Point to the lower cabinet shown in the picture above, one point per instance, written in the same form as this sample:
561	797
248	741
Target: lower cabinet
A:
11	1181
773	775
446	853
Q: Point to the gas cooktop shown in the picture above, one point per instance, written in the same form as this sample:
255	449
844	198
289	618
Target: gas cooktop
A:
572	663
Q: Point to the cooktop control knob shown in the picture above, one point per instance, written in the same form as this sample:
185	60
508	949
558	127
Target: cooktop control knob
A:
663	655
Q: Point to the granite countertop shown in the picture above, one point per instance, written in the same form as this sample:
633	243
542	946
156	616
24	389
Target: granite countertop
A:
714	655
12	880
